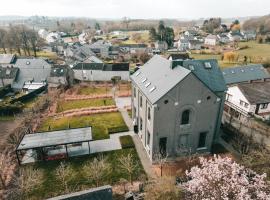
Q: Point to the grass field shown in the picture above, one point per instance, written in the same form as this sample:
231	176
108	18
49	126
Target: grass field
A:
93	90
76	104
102	124
46	54
6	118
50	185
257	52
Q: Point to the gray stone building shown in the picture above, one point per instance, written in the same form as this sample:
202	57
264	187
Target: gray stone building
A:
61	75
177	105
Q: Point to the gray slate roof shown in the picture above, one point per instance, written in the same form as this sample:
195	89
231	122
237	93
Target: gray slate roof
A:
31	68
245	73
256	93
102	66
212	78
7	58
159	73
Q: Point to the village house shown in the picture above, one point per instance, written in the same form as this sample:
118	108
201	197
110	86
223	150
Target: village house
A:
247	93
195	45
101	71
249	99
182	92
249	35
183	44
8	75
61	75
211	40
178	56
78	52
161	46
133	48
33	73
235	36
223	38
101	48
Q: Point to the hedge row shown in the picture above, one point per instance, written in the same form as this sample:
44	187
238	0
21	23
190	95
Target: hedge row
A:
126	142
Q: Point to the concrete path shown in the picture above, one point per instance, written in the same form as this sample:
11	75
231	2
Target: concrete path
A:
111	144
122	102
143	157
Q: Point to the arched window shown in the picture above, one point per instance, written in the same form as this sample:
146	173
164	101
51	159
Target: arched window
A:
185	117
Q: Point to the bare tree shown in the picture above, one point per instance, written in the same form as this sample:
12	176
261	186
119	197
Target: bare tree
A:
3	39
97	169
27	180
128	164
64	175
161	160
6	165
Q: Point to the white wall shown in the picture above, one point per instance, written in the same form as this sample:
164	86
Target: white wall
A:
98	75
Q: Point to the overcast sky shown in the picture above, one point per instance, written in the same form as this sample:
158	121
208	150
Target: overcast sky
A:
188	9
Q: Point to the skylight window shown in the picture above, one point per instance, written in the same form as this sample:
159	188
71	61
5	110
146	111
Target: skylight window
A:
147	84
137	73
207	65
152	89
145	79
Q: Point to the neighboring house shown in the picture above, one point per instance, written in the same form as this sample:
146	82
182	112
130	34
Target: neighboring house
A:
235	36
31	70
7	60
178	56
133	48
101	48
78	52
60	75
191	32
248	99
53	37
162	90
100	71
245	74
161	46
223	38
211	40
8	75
183	44
195	45
249	35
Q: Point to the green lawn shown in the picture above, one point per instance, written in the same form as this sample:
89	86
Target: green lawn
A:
257	52
255	49
76	104
94	90
102	124
51	187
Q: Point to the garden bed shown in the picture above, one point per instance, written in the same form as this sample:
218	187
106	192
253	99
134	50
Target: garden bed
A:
126	142
50	186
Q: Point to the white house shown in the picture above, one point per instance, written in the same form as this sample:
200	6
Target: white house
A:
249	99
211	40
183	44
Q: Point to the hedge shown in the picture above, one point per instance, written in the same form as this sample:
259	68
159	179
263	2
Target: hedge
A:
118	129
126	142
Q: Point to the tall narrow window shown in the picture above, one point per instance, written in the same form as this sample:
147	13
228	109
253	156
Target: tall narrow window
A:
140	101
149	113
185	117
148	138
134	92
202	140
141	124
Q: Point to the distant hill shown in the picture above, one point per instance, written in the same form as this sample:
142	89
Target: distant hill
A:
260	24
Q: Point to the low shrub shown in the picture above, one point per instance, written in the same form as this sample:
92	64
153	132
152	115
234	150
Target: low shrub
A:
118	129
126	142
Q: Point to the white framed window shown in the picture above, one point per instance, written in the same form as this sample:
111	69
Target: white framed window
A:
149	113
140	101
264	106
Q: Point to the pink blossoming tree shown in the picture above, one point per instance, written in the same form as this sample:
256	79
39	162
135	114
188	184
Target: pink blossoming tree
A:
221	178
